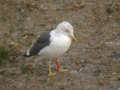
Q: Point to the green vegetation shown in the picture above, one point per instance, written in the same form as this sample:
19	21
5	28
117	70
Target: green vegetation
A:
3	54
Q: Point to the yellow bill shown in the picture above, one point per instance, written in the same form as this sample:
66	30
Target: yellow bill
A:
73	38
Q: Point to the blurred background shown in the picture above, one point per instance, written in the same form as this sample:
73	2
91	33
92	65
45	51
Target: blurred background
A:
93	62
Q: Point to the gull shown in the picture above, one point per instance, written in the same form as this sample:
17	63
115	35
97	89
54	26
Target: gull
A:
53	44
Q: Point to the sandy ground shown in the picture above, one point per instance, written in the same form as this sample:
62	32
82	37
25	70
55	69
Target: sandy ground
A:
91	61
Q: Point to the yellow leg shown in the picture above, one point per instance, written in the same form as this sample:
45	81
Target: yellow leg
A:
50	72
59	67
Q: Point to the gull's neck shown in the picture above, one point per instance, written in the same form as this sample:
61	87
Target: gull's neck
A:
55	31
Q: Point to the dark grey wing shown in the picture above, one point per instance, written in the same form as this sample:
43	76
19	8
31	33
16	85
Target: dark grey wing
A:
43	41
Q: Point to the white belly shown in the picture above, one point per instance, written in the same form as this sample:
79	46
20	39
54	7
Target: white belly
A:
57	47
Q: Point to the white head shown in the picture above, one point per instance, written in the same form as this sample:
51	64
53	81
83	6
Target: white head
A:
67	29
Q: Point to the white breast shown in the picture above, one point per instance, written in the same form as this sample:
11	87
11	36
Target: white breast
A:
58	46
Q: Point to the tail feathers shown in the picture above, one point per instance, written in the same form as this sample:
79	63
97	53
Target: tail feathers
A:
23	55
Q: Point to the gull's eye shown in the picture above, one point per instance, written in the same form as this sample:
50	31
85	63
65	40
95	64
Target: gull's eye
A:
67	31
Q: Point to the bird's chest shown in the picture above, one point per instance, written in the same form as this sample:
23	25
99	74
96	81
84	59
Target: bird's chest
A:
60	45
